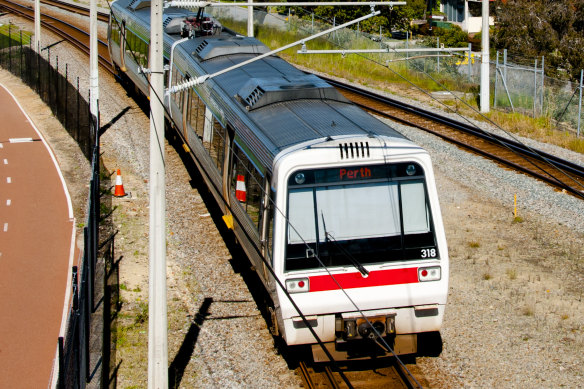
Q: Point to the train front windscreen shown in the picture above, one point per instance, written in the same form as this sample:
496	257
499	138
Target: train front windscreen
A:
354	216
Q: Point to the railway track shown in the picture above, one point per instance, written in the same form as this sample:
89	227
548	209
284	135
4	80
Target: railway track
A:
562	174
78	9
72	34
369	374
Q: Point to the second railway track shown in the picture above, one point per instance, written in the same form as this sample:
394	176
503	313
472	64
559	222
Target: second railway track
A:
558	172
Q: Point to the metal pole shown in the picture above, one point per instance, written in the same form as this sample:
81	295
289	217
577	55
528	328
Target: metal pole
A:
505	64
496	81
312	28
542	82
250	20
37	26
580	102
534	87
157	308
469	62
485	59
438	55
93	54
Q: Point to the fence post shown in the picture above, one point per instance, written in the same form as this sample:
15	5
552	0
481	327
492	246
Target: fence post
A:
470	64
580	103
496	81
534	87
77	129
21	54
9	47
66	95
61	375
542	81
438	56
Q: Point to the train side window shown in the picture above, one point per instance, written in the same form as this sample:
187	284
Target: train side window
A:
200	118
217	150
246	185
115	31
178	78
270	231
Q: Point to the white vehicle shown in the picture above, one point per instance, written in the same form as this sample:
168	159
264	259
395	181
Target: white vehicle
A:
337	212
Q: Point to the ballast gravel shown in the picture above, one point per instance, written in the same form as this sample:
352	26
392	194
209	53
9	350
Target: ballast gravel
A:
515	316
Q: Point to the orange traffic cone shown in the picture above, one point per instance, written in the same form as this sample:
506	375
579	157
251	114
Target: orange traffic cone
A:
240	192
119	190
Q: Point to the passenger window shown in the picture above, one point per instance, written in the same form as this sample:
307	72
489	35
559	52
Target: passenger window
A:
218	145
270	231
246	185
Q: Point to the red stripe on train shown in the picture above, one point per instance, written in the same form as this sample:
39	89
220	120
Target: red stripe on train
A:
356	280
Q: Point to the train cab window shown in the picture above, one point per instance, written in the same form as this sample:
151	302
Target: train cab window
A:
246	185
368	214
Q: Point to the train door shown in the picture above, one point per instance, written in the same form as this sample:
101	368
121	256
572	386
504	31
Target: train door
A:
123	46
227	172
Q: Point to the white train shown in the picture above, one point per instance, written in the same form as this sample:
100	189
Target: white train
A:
337	211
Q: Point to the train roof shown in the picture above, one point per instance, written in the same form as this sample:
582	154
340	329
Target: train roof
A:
280	105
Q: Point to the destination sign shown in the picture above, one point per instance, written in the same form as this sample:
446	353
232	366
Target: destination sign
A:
356	173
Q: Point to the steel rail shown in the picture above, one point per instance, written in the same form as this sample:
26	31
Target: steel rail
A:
552	161
76	8
72	34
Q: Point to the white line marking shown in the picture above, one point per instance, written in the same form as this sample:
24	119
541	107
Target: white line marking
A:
20	140
5	161
8	180
1	146
5	227
8	202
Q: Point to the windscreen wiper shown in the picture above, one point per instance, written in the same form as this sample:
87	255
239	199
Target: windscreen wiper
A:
364	272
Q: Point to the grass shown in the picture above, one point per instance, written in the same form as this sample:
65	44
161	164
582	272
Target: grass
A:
14	33
474	244
512	274
517	219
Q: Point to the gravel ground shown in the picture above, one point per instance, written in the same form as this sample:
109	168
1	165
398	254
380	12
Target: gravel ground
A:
515	312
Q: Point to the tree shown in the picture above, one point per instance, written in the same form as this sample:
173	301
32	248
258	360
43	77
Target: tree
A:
550	28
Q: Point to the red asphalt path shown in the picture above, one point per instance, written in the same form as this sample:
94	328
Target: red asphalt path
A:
36	250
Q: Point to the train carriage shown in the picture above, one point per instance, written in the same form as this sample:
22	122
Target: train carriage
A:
342	207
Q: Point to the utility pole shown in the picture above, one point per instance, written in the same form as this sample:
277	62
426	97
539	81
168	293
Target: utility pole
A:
37	26
485	60
250	20
93	65
157	309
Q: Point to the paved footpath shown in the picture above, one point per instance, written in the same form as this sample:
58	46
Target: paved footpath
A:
36	250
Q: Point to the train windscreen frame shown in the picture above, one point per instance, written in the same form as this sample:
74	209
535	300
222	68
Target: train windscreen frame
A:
359	214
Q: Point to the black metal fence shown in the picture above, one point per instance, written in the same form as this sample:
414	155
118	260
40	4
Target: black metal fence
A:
55	89
79	359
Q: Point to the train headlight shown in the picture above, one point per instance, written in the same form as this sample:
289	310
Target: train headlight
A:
300	178
429	273
411	170
297	285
